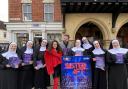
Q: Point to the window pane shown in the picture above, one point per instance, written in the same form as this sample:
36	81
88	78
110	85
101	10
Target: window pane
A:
51	8
48	12
48	8
24	8
48	17
27	12
27	16
29	8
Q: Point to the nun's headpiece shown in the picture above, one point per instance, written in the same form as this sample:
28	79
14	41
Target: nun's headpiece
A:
95	42
84	39
112	42
12	43
29	42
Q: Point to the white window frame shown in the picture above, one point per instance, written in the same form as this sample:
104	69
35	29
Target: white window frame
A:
26	1
26	12
49	12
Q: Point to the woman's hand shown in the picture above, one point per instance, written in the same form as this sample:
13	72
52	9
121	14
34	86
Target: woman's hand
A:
94	59
36	68
17	66
8	65
31	62
23	64
44	65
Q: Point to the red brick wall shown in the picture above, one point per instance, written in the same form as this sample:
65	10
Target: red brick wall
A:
15	10
57	11
37	10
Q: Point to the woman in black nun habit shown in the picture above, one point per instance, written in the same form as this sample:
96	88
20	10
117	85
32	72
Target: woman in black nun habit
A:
99	57
117	71
42	79
88	46
9	68
2	70
78	50
26	74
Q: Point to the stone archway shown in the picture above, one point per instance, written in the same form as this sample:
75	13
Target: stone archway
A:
106	37
104	29
122	35
91	31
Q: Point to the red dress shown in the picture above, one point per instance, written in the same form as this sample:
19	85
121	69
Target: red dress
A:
52	59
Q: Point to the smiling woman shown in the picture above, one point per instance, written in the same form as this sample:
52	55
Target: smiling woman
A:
4	12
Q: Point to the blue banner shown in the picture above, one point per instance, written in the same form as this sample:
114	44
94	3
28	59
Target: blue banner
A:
76	72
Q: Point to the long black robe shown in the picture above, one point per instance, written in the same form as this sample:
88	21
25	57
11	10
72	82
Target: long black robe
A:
42	79
26	73
3	81
117	73
127	71
8	76
100	79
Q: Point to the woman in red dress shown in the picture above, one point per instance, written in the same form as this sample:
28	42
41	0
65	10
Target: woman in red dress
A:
53	60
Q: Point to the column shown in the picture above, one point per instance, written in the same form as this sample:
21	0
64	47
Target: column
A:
9	35
43	35
14	37
30	34
107	43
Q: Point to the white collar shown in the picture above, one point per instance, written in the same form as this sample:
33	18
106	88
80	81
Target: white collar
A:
98	51
118	50
9	54
29	50
87	45
42	48
74	49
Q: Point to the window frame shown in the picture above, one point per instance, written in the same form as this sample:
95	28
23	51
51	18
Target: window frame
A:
49	12
23	13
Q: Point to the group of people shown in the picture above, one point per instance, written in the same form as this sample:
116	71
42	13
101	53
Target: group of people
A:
31	66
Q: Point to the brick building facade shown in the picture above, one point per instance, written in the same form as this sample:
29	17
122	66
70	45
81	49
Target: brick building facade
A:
33	20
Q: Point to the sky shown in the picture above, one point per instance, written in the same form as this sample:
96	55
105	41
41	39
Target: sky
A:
4	10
